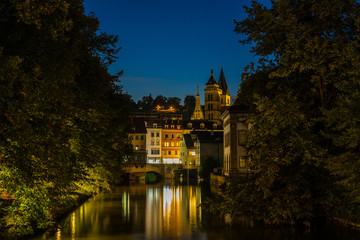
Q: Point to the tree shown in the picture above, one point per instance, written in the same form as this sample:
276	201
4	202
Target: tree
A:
174	102
189	106
63	116
304	138
160	101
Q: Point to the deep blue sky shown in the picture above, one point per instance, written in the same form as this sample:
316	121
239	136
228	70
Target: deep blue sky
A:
168	46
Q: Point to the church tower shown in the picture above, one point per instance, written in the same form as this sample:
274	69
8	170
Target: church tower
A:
212	99
225	95
198	113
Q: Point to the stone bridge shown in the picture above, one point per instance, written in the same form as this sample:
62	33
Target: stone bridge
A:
138	171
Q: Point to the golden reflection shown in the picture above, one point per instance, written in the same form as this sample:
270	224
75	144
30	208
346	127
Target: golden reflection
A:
73	231
58	234
126	206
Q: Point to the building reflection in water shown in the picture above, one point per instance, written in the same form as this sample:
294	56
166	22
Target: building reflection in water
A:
139	211
172	211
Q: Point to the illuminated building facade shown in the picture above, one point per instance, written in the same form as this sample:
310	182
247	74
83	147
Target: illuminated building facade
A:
217	97
153	141
172	132
137	138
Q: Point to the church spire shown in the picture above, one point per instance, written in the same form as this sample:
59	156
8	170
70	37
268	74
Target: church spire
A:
198	113
211	79
222	82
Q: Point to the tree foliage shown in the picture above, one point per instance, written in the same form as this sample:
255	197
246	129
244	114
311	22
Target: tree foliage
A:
303	95
63	116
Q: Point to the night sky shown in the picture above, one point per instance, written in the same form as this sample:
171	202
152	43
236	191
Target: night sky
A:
168	46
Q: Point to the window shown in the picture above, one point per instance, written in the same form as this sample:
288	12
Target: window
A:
131	137
241	137
172	144
172	126
152	134
178	136
189	125
155	125
136	147
142	147
178	126
214	126
166	144
142	137
157	134
155	151
166	135
169	152
157	142
175	152
166	126
242	162
227	139
137	137
192	153
172	135
202	125
152	142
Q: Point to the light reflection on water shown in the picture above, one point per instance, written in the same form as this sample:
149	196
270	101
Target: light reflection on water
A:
168	212
136	212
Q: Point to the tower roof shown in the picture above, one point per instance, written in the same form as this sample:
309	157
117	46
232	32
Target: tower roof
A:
212	80
222	82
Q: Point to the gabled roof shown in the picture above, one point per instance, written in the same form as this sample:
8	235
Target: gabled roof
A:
222	83
209	137
138	125
188	141
196	125
212	80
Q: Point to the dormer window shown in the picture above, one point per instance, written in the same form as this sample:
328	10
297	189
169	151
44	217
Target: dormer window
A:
189	125
166	126
202	125
172	126
214	126
155	125
178	126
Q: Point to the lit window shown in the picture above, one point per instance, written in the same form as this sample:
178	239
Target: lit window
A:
192	153
242	162
136	147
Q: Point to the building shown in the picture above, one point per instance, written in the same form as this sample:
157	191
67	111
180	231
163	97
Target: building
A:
171	135
153	141
138	139
235	123
189	151
217	97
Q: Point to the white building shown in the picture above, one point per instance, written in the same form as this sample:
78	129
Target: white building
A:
153	141
236	123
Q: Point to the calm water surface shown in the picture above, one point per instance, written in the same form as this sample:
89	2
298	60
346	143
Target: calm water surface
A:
167	211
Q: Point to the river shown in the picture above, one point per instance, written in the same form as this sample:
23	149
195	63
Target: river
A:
167	211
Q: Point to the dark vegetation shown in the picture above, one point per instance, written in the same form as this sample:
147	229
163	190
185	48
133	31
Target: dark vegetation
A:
63	117
148	103
304	96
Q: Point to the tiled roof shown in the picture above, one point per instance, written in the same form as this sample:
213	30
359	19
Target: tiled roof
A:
188	141
222	83
212	80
